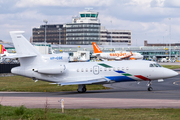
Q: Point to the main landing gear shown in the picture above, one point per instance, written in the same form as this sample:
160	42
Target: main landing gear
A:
149	86
81	88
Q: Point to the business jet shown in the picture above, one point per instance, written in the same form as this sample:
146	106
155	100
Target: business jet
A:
33	65
115	55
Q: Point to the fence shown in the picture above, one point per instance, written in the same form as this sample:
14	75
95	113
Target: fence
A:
6	68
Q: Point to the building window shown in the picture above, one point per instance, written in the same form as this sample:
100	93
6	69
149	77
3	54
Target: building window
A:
87	15
82	15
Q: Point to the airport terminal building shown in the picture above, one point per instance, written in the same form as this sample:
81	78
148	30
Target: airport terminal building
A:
83	30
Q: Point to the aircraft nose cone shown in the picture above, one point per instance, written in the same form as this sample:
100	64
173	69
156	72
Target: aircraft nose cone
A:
170	73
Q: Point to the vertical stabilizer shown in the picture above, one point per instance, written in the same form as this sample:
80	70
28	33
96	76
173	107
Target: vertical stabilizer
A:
3	50
22	45
96	48
26	52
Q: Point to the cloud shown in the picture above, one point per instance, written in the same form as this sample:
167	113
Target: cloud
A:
147	19
172	3
62	3
157	3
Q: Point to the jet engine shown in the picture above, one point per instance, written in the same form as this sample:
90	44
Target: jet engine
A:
50	69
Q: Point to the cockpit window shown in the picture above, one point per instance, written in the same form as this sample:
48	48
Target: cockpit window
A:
151	65
158	65
155	65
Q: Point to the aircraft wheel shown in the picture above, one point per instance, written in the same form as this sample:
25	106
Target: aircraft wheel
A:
84	89
150	88
79	91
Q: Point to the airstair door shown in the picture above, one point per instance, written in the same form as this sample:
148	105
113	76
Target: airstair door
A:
96	70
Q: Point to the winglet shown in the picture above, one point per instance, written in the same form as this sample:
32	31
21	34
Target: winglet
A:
96	48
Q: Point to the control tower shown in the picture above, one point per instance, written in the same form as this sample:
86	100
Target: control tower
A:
86	17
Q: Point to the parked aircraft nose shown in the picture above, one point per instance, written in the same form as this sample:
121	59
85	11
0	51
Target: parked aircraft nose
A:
170	73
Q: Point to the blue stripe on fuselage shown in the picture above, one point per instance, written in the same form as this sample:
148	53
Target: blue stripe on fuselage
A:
120	78
120	71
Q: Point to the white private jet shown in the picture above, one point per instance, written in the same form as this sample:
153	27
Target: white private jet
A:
115	55
34	65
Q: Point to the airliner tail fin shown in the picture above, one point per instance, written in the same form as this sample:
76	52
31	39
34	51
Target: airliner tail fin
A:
3	49
96	48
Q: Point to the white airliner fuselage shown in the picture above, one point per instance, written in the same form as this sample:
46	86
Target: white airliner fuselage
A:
115	55
54	69
118	55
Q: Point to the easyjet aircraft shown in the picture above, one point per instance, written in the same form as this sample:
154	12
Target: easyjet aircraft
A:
115	55
35	66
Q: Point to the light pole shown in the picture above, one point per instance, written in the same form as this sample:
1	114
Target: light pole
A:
59	37
170	39
111	33
45	21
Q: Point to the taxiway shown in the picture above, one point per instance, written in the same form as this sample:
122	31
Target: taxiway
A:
123	95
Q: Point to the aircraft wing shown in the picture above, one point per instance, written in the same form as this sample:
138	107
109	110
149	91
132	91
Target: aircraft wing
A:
94	81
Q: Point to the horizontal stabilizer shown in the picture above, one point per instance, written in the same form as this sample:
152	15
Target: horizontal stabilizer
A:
19	56
85	82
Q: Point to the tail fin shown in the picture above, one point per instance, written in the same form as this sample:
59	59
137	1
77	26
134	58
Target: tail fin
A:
22	45
27	53
96	48
3	49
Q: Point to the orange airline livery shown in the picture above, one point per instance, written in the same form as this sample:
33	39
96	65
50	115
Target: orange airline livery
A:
115	55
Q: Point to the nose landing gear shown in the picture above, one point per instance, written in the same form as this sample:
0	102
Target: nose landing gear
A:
81	88
149	86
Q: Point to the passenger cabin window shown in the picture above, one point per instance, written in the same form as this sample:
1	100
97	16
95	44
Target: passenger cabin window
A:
86	69
114	69
118	68
127	68
100	69
77	70
151	65
105	69
90	69
122	68
109	69
82	70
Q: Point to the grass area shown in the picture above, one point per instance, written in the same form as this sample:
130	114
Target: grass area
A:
19	83
12	113
171	66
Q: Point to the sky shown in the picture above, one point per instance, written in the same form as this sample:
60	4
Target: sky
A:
157	21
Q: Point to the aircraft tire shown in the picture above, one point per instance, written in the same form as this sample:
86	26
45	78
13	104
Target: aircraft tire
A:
79	91
150	88
84	90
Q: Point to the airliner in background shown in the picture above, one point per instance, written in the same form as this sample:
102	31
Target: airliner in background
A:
115	55
55	70
4	51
